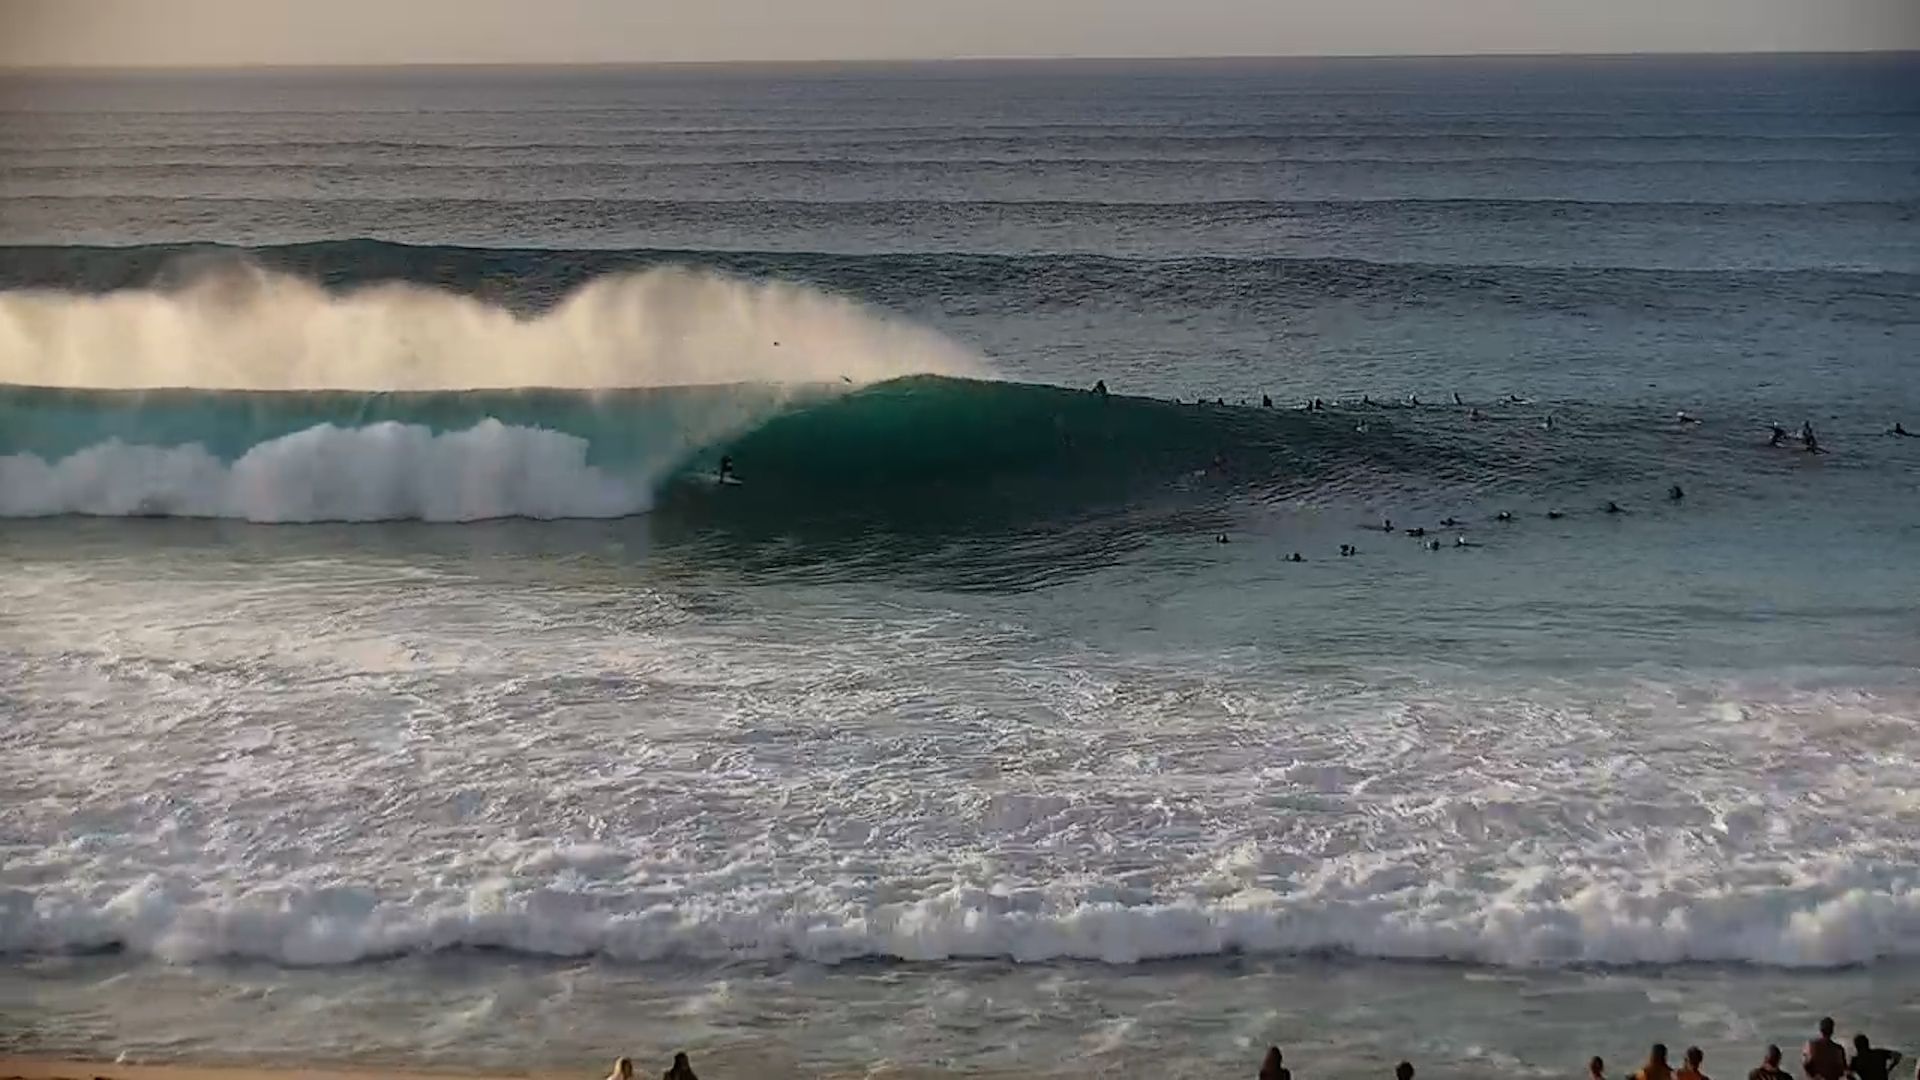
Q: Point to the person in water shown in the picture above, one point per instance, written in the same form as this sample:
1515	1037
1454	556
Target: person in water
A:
1870	1062
1899	430
1347	551
1433	545
1614	507
682	1068
1691	1070
1554	515
1100	387
1266	401
1675	493
1386	524
1295	557
1769	1067
726	469
1272	1069
1448	522
1824	1059
1547	424
1656	1067
1503	516
1807	438
1474	414
1461	541
1456	398
1417	530
1686	417
1779	436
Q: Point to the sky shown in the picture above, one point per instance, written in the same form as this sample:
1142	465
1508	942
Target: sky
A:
288	32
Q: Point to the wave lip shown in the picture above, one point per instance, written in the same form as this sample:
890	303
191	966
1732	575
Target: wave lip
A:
383	472
1596	926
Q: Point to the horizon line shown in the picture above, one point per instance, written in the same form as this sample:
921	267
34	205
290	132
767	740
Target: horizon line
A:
930	61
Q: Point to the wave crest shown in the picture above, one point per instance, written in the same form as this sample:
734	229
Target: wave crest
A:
226	324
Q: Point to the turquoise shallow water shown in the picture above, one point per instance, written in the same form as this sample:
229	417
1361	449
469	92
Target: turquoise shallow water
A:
384	678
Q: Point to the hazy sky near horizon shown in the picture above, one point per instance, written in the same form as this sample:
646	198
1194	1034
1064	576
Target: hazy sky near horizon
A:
244	32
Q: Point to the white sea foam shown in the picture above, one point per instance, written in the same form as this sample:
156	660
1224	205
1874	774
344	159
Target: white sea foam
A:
1800	926
382	472
351	759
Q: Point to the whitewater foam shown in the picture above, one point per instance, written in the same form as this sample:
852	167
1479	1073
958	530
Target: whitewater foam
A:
233	326
1824	921
382	472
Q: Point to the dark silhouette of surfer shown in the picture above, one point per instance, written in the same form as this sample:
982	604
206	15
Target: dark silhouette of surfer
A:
1675	493
1779	436
1456	398
1613	507
1418	530
1100	387
1266	401
726	471
1503	516
1899	430
1808	440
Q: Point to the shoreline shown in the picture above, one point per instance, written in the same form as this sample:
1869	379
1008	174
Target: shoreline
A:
720	1065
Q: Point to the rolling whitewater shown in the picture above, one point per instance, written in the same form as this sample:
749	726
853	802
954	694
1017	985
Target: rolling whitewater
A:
385	674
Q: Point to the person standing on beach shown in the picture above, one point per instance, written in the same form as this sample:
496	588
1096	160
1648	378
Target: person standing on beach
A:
1272	1069
1691	1070
1770	1068
1871	1063
682	1068
1824	1059
1596	1069
1656	1067
622	1069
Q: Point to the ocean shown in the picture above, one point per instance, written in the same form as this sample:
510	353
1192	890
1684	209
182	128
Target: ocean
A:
384	677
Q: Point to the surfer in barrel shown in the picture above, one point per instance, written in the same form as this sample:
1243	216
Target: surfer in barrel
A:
726	470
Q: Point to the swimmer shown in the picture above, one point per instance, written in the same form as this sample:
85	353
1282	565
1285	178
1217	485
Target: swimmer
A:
1221	539
1448	522
1685	417
1554	515
1295	557
1386	524
1675	493
1433	545
1547	424
1779	436
1503	516
1100	387
1348	551
1613	508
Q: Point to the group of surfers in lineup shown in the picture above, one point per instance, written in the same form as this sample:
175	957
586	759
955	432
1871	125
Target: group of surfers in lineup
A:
1823	1059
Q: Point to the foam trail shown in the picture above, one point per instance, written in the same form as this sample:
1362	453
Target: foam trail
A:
237	327
382	472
